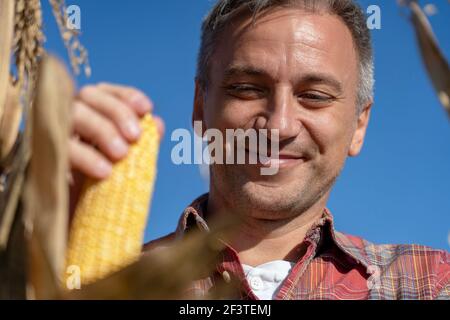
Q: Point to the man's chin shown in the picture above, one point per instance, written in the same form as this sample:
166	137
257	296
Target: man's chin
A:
277	198
271	198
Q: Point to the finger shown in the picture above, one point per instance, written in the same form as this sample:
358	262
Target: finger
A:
132	96
161	126
98	130
87	160
112	108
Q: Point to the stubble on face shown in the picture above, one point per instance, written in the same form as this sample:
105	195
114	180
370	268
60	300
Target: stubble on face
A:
324	136
262	200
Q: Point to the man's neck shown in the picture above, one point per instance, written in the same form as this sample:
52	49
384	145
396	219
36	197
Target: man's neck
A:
259	241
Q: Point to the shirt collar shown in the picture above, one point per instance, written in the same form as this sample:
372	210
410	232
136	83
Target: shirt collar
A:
193	218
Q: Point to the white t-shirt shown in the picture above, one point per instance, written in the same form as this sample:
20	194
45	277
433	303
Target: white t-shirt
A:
266	279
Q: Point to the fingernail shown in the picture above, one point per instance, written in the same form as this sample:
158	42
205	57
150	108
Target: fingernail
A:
142	102
104	168
119	147
133	129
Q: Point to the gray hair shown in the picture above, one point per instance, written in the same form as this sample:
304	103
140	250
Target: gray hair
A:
350	12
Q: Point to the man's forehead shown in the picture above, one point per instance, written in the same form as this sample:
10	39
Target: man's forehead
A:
290	26
288	37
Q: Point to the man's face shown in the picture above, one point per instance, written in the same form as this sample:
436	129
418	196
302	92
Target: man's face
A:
296	72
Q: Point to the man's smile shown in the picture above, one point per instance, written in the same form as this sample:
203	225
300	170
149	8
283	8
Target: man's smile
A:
281	161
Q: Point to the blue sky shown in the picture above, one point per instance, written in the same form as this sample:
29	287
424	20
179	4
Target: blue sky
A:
396	191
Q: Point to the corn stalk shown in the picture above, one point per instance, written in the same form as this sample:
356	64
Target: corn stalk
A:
33	178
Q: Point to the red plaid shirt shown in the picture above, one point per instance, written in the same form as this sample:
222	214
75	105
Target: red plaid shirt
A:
335	266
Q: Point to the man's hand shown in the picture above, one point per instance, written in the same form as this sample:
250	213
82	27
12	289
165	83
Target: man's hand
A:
105	122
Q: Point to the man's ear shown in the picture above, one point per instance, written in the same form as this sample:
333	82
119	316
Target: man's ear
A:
199	105
360	132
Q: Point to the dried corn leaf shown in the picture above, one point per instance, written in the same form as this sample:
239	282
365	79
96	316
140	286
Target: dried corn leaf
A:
165	273
13	175
433	57
13	261
46	194
6	40
42	282
9	124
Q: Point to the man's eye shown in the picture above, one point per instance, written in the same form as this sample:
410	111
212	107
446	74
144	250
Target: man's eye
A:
245	91
315	98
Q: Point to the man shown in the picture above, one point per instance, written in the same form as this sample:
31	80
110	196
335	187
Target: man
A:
304	68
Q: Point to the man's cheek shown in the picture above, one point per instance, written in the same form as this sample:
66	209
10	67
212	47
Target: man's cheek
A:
331	155
218	116
336	157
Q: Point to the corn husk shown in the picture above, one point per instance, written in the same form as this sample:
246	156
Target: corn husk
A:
46	191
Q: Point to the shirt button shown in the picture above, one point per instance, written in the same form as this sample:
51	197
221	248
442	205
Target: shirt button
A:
256	283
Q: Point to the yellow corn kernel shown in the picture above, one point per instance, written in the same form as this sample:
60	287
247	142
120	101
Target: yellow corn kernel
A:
108	227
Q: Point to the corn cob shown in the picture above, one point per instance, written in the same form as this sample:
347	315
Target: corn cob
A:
108	227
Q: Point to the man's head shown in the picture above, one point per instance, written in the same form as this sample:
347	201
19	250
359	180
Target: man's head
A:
302	67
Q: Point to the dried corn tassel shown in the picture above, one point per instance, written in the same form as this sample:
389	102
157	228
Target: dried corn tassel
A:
108	227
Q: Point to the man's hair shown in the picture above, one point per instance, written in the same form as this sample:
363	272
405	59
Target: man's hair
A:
350	12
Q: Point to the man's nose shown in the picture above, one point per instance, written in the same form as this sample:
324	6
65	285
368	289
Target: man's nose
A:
281	115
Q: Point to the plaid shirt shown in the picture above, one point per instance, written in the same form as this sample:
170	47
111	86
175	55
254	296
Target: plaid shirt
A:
335	266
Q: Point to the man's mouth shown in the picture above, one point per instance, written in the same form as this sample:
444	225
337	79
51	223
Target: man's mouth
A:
282	160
